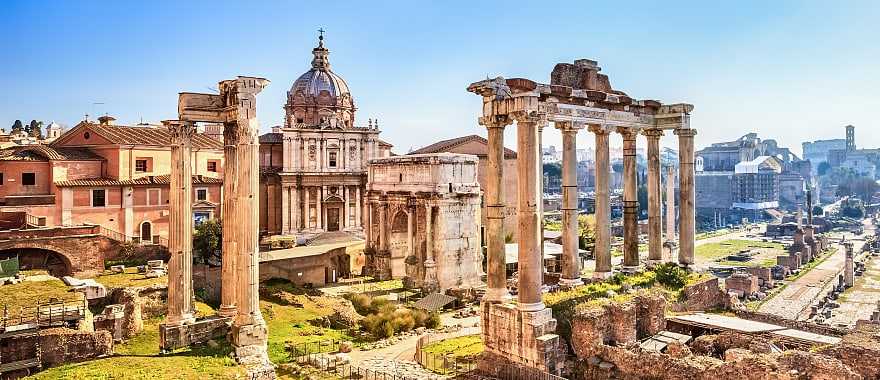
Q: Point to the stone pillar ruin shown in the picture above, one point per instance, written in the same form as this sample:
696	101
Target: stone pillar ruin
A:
849	266
180	225
431	283
571	270
630	202
669	244
496	267
686	202
602	248
655	224
235	106
531	262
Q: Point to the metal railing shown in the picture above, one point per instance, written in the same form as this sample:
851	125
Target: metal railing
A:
121	237
50	314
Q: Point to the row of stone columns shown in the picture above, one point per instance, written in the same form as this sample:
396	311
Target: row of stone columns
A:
530	200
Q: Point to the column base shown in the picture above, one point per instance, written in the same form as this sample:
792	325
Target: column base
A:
250	342
497	295
528	338
570	282
531	307
227	311
650	263
631	269
602	275
185	319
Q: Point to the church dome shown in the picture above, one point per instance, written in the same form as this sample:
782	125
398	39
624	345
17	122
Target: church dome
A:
320	97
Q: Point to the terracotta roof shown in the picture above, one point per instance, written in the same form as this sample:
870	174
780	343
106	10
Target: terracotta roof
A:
446	145
146	135
46	153
271	138
148	180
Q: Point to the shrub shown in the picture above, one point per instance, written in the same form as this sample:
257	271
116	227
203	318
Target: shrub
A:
671	276
433	321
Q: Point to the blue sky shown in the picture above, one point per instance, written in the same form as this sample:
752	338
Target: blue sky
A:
790	70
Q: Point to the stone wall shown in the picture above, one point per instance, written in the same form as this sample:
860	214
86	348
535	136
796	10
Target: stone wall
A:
860	350
57	346
702	296
604	322
206	282
797	325
139	304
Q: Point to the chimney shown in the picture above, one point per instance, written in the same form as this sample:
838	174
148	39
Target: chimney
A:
106	120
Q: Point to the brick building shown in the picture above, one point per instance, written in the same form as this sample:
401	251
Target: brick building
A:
111	175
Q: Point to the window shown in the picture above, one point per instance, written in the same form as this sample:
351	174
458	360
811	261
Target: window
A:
99	198
140	165
1	179
332	159
201	194
212	166
28	179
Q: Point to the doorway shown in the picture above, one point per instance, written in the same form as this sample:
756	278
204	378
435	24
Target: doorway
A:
333	219
146	233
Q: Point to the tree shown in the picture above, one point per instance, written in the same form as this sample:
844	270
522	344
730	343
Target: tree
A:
35	129
17	126
643	200
823	168
818	210
587	231
553	170
208	243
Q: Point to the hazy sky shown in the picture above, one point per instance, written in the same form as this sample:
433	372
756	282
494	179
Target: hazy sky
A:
792	71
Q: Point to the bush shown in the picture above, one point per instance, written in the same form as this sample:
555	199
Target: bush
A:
433	321
384	319
671	276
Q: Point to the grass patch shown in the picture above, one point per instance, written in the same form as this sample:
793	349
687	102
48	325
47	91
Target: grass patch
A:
29	294
720	250
130	278
716	233
463	346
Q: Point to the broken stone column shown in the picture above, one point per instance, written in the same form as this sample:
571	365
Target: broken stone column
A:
496	267
849	267
686	207
180	225
602	250
531	262
630	202
571	270
655	224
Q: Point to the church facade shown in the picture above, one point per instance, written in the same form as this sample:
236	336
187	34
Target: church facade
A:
314	167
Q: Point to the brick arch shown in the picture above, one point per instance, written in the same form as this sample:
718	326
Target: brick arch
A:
82	255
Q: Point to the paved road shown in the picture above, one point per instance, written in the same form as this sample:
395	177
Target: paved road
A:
794	301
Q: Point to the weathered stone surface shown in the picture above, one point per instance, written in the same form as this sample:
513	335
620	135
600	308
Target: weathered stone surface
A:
701	296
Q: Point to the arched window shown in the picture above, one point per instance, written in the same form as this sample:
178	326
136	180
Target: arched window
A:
146	232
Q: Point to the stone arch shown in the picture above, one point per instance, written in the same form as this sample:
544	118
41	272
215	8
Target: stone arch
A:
35	256
145	231
400	223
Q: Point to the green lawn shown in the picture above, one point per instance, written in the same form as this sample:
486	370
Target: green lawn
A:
29	294
131	278
462	346
720	250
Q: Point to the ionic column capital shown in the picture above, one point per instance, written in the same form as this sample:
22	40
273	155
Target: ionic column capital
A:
685	132
652	133
495	121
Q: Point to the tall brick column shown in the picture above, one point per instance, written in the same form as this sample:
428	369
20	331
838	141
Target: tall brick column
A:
602	250
687	222
655	224
630	201
571	270
496	267
180	225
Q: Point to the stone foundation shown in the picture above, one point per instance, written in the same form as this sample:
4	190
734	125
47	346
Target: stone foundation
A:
523	337
702	296
617	323
201	331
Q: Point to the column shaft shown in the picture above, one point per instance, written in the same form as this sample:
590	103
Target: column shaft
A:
285	209
496	265
345	208
528	200
229	263
320	214
247	226
180	226
357	207
630	201
571	271
602	250
295	210
655	223
308	208
687	224
383	227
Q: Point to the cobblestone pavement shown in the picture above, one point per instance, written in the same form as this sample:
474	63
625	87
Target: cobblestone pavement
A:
860	301
792	301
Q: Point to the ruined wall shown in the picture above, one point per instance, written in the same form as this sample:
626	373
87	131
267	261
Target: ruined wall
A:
701	296
58	346
618	323
860	350
140	303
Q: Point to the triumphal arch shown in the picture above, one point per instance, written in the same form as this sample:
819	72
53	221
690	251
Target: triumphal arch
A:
577	98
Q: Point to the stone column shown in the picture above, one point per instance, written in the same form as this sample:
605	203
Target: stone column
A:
602	249
308	208
849	266
229	246
630	202
368	229
430	265
357	207
571	271
655	224
319	218
686	223
180	225
496	265
531	262
383	227
285	209
295	210
345	208
670	203
410	231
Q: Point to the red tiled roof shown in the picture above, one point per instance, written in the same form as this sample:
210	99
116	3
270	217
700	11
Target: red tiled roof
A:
152	136
446	145
46	153
271	138
148	180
